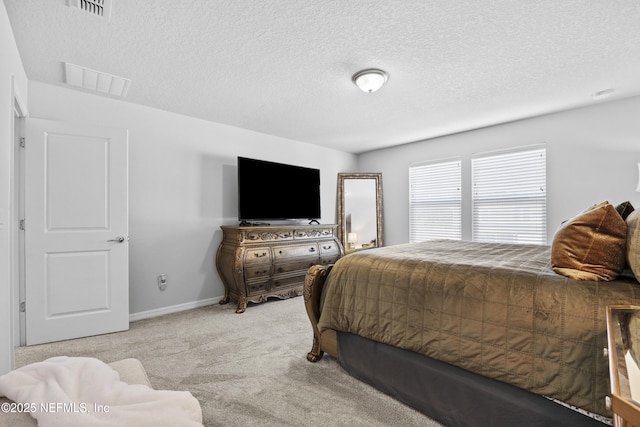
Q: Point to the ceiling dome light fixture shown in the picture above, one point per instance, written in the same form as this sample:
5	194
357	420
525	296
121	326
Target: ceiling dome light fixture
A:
370	80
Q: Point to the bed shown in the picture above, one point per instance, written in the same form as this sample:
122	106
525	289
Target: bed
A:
471	333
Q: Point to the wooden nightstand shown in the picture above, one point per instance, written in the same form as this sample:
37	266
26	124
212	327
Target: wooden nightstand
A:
623	333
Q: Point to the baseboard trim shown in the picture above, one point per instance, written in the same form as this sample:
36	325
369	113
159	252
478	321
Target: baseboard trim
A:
173	309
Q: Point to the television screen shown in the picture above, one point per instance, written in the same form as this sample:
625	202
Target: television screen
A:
277	191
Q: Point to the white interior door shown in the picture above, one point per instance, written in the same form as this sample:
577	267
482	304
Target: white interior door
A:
76	231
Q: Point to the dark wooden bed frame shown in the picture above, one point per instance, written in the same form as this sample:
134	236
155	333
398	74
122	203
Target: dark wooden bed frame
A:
313	284
446	393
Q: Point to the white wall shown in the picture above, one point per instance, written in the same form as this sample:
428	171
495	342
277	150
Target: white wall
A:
182	177
592	154
12	78
182	187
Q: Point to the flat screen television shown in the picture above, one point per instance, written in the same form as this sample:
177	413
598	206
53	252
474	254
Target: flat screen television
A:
277	191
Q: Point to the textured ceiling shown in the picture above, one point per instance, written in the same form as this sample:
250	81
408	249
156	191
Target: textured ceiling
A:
284	67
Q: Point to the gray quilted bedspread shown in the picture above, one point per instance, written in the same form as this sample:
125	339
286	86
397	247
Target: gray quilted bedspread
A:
494	309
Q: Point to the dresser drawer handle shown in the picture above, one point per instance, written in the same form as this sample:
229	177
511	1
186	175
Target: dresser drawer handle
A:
326	248
312	249
263	254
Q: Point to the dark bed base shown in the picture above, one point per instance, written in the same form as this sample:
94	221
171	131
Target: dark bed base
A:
448	394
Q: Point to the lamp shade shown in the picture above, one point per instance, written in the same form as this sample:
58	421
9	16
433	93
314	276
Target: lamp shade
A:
370	80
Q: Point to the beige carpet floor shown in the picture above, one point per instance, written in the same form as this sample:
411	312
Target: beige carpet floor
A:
246	369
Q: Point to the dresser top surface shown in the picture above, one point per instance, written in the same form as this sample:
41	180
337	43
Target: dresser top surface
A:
280	227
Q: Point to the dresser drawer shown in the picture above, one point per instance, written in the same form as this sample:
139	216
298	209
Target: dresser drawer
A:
287	282
326	260
314	234
257	271
295	251
287	267
329	248
260	255
257	287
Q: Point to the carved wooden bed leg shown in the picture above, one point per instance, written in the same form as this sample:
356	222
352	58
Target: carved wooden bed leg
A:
313	284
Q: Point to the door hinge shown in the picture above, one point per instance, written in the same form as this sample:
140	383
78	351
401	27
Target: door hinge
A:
21	224
23	307
22	142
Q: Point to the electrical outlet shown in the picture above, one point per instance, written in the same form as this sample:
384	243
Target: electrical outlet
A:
162	282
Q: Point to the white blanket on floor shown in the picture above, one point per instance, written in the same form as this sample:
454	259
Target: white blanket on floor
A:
81	391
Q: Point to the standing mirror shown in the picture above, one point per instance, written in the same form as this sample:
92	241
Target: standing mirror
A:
360	211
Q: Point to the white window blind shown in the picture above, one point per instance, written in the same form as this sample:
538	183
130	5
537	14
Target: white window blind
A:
435	201
509	197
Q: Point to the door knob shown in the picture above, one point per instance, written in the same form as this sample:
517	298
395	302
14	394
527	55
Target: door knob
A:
118	239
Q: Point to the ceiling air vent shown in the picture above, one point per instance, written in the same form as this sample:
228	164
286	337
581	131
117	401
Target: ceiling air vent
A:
105	83
100	8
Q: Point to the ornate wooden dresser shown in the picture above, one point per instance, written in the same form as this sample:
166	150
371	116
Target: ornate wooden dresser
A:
258	262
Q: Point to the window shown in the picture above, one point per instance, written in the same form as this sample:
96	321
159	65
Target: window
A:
435	201
509	201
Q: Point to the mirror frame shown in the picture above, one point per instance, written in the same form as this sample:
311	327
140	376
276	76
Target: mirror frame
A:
379	217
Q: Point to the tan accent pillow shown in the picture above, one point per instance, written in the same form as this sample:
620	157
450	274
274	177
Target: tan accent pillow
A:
633	242
592	245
